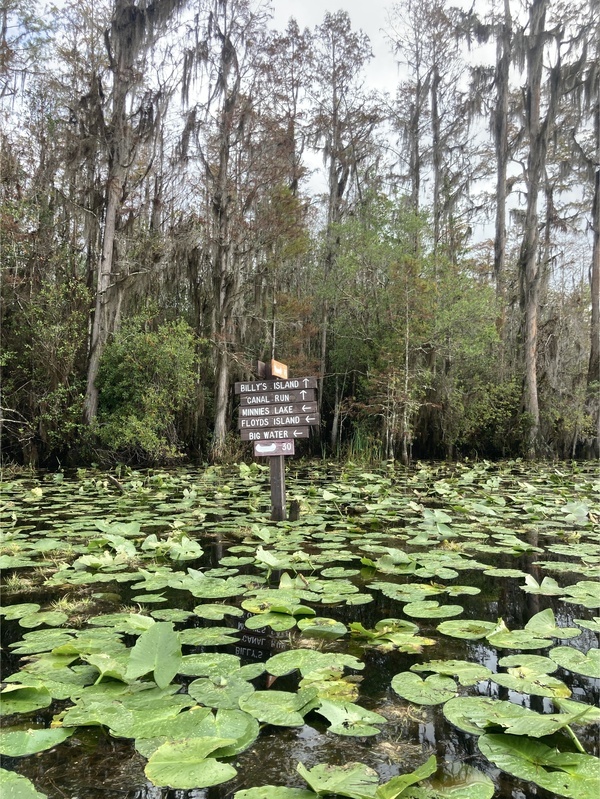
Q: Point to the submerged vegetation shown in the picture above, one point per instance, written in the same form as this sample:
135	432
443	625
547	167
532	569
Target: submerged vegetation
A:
430	632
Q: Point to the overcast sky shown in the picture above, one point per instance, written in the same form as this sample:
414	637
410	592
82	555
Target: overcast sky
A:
370	16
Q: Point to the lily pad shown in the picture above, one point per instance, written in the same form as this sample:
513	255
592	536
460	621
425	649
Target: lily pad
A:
220	691
467	673
458	781
15	786
185	764
307	660
157	650
322	627
353	780
468	629
18	743
475	714
430	609
432	691
275	792
572	659
280	708
22	699
346	718
569	774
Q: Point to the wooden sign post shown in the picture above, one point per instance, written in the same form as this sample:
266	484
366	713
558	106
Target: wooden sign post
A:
274	411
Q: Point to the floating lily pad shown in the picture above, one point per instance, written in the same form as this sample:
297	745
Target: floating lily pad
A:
208	636
468	629
346	718
15	786
569	774
457	781
275	792
354	780
185	764
11	612
467	673
307	660
52	618
205	664
572	659
475	714
281	708
217	612
18	743
220	691
322	627
430	609
22	699
432	691
157	650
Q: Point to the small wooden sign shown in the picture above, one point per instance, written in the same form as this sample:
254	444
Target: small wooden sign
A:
293	384
266	449
279	369
246	412
284	420
275	434
273	397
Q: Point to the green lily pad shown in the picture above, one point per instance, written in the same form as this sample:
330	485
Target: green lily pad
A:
353	780
475	714
274	792
217	612
11	612
280	708
585	592
468	629
18	743
467	673
307	660
432	691
15	786
206	664
569	774
220	691
186	765
543	624
276	621
22	699
593	625
208	636
572	659
157	650
346	718
430	609
458	781
322	627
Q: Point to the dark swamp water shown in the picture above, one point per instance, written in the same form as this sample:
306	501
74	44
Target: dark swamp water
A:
424	547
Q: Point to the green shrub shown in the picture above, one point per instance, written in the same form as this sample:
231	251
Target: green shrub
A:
145	380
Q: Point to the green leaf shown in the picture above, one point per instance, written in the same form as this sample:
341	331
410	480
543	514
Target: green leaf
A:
280	708
346	718
353	780
220	691
185	765
322	627
468	673
18	743
543	624
157	650
22	699
458	781
432	691
565	774
14	786
307	660
397	785
576	661
475	714
274	792
468	629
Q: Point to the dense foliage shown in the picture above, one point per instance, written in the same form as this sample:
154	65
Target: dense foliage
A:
439	271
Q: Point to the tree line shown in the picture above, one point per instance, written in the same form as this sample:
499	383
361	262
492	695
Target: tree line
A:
165	223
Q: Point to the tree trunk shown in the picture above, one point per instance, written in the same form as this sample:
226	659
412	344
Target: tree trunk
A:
593	375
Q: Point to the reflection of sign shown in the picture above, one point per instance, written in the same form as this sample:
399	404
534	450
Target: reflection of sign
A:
264	449
275	434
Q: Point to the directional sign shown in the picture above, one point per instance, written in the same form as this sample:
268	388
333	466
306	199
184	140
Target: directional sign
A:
295	384
267	449
275	434
279	369
277	409
272	397
287	420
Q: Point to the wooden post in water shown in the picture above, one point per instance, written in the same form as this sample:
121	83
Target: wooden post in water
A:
277	469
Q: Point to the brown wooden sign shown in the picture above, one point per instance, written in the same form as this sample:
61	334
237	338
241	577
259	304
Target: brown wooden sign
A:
273	397
294	384
275	434
272	414
268	449
277	409
285	420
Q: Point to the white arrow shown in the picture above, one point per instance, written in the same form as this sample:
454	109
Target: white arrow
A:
304	393
310	419
305	382
305	408
297	433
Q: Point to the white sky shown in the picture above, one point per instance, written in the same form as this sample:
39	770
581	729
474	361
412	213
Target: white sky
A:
370	16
